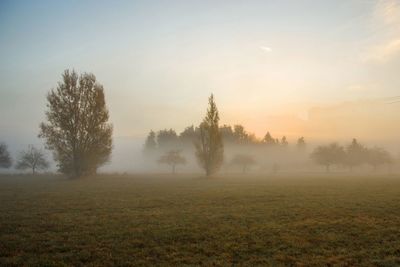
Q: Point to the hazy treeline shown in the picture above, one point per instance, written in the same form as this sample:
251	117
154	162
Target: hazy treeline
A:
236	135
78	132
351	156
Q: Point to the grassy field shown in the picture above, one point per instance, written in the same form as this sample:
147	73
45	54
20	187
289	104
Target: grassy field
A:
189	220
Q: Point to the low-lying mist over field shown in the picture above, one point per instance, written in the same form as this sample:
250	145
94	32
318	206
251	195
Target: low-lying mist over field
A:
200	133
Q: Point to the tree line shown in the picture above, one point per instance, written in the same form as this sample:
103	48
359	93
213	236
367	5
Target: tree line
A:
78	133
351	156
237	135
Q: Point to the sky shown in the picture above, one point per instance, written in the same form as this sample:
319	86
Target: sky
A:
270	64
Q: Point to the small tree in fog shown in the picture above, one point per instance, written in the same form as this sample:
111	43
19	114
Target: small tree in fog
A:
356	154
172	158
5	158
284	141
32	159
269	140
76	127
244	161
150	146
378	156
167	139
301	143
328	155
209	147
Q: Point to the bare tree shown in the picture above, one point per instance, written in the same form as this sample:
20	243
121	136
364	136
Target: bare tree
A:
33	159
209	147
77	128
5	158
172	158
244	161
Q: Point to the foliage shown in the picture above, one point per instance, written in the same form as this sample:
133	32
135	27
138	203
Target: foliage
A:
269	140
150	146
378	156
328	155
231	136
33	159
356	154
301	143
284	141
77	128
167	139
172	158
243	160
209	147
5	158
353	155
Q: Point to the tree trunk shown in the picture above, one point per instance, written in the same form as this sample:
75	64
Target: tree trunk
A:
173	168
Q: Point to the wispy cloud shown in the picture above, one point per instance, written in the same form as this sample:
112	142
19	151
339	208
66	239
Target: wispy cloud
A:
266	48
386	26
385	52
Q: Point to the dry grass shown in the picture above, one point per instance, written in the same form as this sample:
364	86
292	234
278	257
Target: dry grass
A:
187	220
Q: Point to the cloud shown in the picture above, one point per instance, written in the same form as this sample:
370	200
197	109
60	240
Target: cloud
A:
388	12
385	52
266	48
385	32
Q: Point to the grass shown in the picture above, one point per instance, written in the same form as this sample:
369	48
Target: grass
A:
187	220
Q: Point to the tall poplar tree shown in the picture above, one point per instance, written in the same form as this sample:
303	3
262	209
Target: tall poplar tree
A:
209	147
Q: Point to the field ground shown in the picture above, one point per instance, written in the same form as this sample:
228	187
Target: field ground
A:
188	220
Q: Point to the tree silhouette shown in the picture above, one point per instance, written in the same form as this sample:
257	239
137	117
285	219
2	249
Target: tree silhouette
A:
284	141
244	161
5	158
301	143
172	158
167	139
209	147
356	154
33	159
269	140
328	155
77	128
150	146
378	156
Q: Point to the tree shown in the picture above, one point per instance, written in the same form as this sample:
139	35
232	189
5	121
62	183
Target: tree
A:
172	158
284	141
269	140
33	159
189	135
328	155
243	160
378	156
301	143
150	146
240	134
5	158
356	154
227	134
166	139
209	147
77	128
